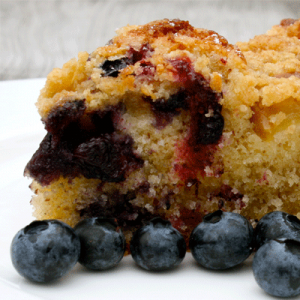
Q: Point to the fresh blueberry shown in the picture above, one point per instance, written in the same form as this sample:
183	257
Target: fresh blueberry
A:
157	246
276	267
45	250
222	240
102	243
276	225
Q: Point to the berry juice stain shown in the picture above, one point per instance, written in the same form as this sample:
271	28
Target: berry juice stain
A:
138	55
227	195
196	151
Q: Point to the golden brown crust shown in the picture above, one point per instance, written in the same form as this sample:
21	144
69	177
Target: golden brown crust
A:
165	38
292	27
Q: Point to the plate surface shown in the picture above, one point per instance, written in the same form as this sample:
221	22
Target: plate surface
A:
20	134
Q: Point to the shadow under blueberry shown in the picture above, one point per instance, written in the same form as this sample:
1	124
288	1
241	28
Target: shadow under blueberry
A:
244	267
173	270
122	266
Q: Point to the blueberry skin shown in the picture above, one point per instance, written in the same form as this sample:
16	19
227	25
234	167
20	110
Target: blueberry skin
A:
45	250
112	68
158	246
276	267
102	243
276	225
222	240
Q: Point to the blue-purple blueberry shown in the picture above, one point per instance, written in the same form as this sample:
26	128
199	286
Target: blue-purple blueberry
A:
276	267
45	250
276	225
102	243
222	240
158	246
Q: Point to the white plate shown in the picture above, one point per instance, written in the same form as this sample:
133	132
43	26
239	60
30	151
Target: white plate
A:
20	133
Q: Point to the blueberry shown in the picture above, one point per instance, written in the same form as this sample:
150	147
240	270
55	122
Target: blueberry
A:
107	157
112	68
210	128
172	104
102	243
222	240
157	246
276	267
276	225
44	251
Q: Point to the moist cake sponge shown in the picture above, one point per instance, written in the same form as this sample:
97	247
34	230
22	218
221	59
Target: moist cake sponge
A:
170	120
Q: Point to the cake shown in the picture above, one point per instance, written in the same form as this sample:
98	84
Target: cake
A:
173	121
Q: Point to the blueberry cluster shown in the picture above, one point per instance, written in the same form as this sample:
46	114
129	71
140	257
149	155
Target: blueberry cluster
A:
46	250
276	264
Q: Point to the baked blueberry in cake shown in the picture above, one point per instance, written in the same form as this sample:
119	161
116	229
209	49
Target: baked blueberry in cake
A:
172	121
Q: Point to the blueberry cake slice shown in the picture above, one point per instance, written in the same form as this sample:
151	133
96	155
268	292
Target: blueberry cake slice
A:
170	120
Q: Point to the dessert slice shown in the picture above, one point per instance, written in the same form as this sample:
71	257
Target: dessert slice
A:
170	120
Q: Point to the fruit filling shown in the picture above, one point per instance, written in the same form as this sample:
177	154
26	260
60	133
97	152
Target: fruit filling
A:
206	125
165	110
79	143
112	68
118	206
